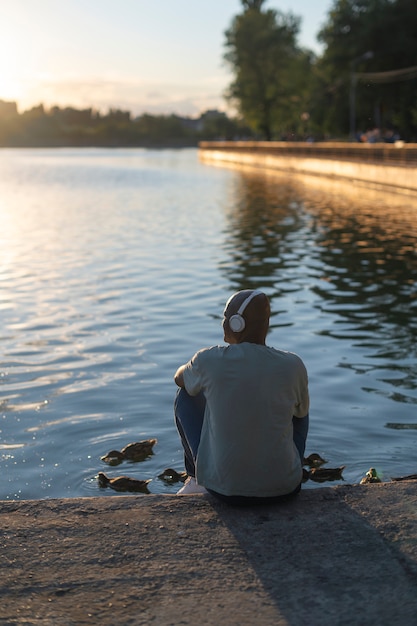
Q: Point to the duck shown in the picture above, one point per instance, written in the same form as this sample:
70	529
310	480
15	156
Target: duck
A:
371	476
322	474
314	460
409	477
170	475
137	451
114	457
123	483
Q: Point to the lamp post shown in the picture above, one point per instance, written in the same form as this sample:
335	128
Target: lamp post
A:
352	94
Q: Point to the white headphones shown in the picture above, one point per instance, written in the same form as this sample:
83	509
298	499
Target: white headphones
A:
237	322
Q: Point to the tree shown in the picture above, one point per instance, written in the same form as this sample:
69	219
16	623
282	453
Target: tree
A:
388	29
268	68
253	4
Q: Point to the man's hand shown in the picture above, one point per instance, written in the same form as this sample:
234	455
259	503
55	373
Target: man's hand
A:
179	376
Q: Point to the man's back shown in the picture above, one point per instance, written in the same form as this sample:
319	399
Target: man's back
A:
252	392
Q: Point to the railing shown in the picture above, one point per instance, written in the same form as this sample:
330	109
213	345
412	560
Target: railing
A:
381	153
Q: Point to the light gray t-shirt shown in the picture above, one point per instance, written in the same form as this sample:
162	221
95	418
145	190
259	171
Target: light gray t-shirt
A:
252	393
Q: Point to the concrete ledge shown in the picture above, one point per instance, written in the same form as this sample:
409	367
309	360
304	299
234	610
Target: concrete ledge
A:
360	162
341	555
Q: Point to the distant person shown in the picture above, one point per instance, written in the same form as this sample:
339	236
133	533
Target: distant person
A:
242	411
390	136
372	135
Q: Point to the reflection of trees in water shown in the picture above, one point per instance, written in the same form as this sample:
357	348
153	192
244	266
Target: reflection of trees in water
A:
358	255
370	265
369	282
262	226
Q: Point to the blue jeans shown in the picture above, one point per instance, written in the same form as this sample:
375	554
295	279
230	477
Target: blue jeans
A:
189	416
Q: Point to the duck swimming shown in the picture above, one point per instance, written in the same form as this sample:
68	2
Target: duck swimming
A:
123	483
314	460
170	475
137	451
409	477
322	474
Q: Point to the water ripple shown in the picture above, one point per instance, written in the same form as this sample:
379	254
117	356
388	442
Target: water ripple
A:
115	266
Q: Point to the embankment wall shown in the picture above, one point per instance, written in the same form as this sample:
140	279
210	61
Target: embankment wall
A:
391	166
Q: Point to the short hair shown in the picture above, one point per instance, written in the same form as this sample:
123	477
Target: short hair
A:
256	313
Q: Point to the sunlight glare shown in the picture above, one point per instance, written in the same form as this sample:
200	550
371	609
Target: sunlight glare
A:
12	62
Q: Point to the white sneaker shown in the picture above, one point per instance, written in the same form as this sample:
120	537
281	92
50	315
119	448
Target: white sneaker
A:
190	486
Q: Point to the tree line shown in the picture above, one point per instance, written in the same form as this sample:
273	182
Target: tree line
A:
362	87
68	126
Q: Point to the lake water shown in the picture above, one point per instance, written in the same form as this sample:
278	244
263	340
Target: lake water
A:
115	266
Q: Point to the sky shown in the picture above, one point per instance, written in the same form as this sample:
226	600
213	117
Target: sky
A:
142	56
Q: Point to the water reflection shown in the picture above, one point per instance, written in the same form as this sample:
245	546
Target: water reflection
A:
370	284
372	270
264	227
115	266
348	253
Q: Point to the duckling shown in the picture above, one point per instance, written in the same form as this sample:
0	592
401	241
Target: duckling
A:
137	451
371	476
314	460
123	483
170	475
322	474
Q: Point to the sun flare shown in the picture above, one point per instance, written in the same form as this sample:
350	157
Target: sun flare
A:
12	61
10	89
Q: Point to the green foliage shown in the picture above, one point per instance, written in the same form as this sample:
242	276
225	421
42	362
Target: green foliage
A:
387	28
269	70
253	4
275	85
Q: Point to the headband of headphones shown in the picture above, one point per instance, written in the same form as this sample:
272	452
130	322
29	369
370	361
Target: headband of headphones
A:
237	322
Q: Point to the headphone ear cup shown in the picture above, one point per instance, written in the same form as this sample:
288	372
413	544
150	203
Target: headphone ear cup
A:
236	323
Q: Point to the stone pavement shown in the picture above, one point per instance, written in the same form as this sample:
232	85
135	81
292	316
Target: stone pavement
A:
344	555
